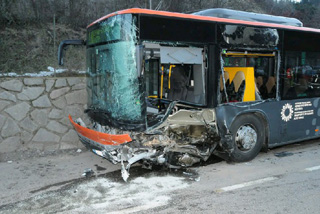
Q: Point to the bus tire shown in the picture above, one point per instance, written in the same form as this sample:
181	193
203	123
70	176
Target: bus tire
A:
248	136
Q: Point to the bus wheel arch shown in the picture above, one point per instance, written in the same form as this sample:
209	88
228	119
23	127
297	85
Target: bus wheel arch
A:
248	136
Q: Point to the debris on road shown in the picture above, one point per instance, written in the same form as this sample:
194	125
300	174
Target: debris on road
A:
88	173
283	154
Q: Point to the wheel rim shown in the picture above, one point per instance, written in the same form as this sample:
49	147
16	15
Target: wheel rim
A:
246	138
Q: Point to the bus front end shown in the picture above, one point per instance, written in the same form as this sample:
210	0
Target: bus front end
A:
134	102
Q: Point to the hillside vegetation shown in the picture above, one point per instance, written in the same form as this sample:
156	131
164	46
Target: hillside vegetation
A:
30	48
31	30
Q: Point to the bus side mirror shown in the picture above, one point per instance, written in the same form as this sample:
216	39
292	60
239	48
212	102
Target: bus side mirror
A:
63	45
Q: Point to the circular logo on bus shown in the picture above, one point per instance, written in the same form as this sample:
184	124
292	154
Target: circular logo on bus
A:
287	112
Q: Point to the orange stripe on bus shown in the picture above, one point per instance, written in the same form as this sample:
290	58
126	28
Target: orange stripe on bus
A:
99	137
204	18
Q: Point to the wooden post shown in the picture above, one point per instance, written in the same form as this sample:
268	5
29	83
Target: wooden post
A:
54	40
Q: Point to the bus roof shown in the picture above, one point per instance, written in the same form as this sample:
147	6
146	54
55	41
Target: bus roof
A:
203	18
248	16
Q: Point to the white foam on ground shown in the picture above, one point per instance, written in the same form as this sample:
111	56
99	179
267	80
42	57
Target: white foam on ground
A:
137	195
104	196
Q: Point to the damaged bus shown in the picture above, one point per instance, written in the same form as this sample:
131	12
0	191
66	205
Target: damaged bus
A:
172	89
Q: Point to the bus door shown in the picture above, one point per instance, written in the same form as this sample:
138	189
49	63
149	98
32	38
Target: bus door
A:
174	74
153	78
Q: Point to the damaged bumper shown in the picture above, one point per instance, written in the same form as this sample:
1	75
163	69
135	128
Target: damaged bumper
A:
111	146
99	139
102	144
183	139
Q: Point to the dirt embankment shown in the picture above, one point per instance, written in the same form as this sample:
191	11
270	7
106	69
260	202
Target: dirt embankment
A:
32	48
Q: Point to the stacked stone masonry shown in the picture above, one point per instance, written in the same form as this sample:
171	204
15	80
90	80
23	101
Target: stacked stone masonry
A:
34	113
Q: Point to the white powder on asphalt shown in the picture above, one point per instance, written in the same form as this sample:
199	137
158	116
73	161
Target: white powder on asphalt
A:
142	193
104	196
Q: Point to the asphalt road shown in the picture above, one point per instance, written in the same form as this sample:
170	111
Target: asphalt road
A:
284	180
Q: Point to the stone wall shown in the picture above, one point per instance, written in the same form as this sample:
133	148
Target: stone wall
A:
34	113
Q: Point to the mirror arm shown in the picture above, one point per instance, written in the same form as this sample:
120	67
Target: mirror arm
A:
63	45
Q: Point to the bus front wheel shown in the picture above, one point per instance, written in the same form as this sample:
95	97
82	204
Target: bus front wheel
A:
248	136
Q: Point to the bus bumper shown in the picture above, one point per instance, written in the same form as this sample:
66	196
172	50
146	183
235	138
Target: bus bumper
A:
161	147
102	144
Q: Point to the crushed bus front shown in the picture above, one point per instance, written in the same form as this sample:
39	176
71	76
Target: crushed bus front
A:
181	139
147	100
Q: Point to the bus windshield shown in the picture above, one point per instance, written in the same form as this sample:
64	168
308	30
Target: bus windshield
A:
114	88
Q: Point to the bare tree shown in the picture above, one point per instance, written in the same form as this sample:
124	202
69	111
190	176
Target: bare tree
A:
81	12
5	10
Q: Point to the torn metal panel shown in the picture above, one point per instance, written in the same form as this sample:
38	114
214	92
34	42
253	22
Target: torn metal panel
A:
183	138
190	117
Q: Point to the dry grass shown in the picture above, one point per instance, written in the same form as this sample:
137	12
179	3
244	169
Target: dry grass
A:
31	48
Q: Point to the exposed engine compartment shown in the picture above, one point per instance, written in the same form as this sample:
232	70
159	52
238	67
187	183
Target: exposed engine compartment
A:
184	138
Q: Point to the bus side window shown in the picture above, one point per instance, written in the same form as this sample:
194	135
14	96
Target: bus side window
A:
263	85
301	87
300	75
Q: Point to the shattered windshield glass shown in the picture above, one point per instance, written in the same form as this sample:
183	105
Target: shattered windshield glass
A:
243	35
113	84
